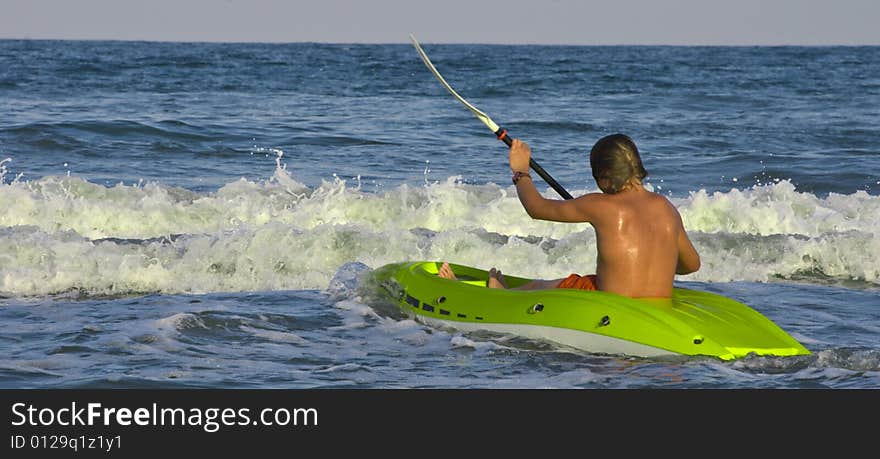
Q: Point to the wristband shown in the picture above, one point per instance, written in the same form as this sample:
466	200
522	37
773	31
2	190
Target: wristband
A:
518	175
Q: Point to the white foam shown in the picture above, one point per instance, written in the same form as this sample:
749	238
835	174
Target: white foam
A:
779	209
62	234
459	341
274	335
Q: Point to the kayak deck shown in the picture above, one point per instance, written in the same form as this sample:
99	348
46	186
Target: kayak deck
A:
690	323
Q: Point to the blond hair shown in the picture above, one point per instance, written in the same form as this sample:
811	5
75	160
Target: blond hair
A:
616	163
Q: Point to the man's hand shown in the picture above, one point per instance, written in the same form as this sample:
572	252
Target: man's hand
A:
520	153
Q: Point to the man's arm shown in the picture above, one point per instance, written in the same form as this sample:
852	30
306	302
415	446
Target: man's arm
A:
539	207
688	258
580	209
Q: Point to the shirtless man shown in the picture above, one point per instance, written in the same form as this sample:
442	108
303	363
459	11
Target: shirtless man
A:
640	238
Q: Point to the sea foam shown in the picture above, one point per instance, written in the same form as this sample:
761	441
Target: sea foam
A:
65	234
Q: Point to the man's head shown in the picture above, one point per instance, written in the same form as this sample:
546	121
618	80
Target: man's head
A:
616	163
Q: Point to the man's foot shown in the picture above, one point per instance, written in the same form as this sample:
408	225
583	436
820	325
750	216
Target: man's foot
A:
496	279
446	272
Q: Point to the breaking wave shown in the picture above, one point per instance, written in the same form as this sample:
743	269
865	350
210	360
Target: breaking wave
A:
65	234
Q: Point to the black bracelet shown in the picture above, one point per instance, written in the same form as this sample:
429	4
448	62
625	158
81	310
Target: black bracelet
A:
518	175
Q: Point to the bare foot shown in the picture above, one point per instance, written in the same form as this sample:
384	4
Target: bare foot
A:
496	279
446	272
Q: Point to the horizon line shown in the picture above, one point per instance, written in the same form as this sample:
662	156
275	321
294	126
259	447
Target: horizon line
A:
453	43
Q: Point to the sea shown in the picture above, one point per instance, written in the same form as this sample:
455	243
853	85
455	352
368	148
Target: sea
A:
208	215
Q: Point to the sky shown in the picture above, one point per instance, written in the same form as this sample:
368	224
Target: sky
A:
578	22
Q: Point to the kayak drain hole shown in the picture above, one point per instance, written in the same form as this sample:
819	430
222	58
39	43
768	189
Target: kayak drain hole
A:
698	340
441	300
536	308
605	321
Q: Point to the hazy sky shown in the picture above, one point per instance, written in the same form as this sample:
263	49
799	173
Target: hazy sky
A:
709	22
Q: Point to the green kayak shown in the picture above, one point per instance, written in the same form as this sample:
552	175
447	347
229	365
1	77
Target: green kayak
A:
690	323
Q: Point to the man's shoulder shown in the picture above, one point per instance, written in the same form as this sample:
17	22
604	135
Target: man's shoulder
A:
604	202
658	198
655	195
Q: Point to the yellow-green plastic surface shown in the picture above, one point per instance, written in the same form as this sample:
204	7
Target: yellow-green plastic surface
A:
690	323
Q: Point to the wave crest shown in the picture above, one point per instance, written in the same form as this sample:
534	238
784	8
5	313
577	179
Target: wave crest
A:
63	234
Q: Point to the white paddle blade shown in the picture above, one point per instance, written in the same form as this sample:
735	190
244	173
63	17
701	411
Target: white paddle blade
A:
477	112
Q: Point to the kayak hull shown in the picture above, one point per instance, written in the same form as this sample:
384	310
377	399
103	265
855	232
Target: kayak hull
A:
690	323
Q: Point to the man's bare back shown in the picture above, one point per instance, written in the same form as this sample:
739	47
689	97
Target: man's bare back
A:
640	239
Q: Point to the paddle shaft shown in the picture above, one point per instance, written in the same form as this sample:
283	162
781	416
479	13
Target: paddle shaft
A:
502	136
500	133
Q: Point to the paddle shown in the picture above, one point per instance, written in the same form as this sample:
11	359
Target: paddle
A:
499	132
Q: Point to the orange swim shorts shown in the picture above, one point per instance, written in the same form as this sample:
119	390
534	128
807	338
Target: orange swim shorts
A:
589	282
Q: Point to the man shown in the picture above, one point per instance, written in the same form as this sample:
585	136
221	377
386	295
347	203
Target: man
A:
640	239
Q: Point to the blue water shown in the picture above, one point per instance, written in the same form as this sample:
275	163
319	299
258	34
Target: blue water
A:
203	215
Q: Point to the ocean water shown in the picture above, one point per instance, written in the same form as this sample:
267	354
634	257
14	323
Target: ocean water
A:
205	215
